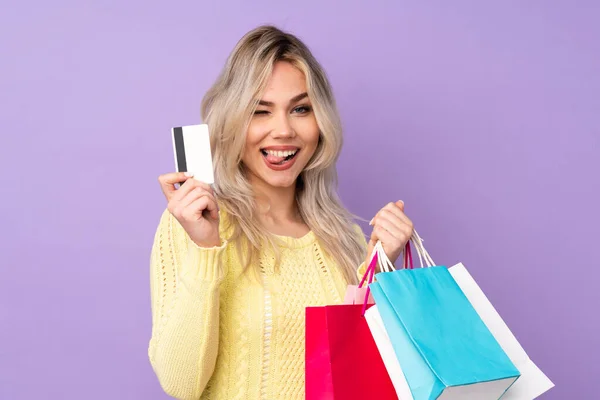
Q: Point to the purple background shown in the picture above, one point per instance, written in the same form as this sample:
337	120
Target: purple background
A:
483	118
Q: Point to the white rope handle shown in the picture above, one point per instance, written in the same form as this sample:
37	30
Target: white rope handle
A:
420	248
382	258
383	261
418	253
387	266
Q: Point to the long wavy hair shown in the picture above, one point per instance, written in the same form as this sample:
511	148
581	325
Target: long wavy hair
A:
228	107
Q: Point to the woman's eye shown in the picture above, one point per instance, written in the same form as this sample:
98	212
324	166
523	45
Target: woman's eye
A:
302	109
261	112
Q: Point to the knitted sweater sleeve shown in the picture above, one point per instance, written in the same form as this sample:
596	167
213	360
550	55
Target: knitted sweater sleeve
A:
360	271
184	287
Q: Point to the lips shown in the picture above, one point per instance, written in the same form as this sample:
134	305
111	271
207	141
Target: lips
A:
279	158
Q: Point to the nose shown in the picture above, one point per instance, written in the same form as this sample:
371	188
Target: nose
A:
282	127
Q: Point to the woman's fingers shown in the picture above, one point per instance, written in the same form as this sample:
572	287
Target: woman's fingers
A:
398	210
203	205
391	244
392	228
392	224
168	181
196	193
395	224
184	202
199	206
188	186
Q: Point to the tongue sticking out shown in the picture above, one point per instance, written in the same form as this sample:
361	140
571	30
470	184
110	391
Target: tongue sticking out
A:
274	159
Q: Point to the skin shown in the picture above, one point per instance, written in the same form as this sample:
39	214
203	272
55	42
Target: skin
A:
283	118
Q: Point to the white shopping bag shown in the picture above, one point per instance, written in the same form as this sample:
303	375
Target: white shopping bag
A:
533	382
384	345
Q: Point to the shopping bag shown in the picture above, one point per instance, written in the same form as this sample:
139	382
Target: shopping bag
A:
356	295
342	361
533	382
384	345
380	336
443	347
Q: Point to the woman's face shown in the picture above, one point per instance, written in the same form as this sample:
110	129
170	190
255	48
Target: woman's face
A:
283	133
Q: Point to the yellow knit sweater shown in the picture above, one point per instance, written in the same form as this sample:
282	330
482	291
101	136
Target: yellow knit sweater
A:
220	334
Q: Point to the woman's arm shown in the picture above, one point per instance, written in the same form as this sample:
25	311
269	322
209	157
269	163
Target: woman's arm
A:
184	285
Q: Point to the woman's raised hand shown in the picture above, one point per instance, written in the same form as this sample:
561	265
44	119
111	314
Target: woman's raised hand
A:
194	206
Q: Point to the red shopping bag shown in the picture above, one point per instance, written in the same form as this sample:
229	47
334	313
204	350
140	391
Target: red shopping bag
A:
342	360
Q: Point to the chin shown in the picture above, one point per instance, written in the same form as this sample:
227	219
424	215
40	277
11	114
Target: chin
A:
280	181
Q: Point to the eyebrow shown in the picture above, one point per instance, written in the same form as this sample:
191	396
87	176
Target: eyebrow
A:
293	100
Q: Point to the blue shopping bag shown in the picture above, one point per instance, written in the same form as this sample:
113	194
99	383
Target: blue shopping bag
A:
443	347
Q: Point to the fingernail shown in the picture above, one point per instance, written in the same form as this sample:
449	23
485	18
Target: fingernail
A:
371	223
188	174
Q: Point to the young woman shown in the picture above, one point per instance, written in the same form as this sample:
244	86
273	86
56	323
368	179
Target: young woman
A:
233	267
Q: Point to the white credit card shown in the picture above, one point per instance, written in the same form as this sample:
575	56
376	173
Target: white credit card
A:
191	147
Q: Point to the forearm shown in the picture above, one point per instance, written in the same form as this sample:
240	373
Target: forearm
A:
183	350
185	282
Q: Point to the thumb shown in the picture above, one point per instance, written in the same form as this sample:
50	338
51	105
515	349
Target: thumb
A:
370	248
371	245
400	204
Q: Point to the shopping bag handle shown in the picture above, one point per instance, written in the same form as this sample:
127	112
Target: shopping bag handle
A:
370	273
425	259
387	265
378	257
417	241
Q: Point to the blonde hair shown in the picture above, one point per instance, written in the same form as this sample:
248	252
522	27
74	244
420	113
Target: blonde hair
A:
228	107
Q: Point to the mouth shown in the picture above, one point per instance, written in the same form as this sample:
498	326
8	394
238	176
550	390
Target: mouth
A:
280	159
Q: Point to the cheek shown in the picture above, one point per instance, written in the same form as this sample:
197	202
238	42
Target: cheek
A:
312	140
253	136
309	132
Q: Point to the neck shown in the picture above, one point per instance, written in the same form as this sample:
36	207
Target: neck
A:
276	204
